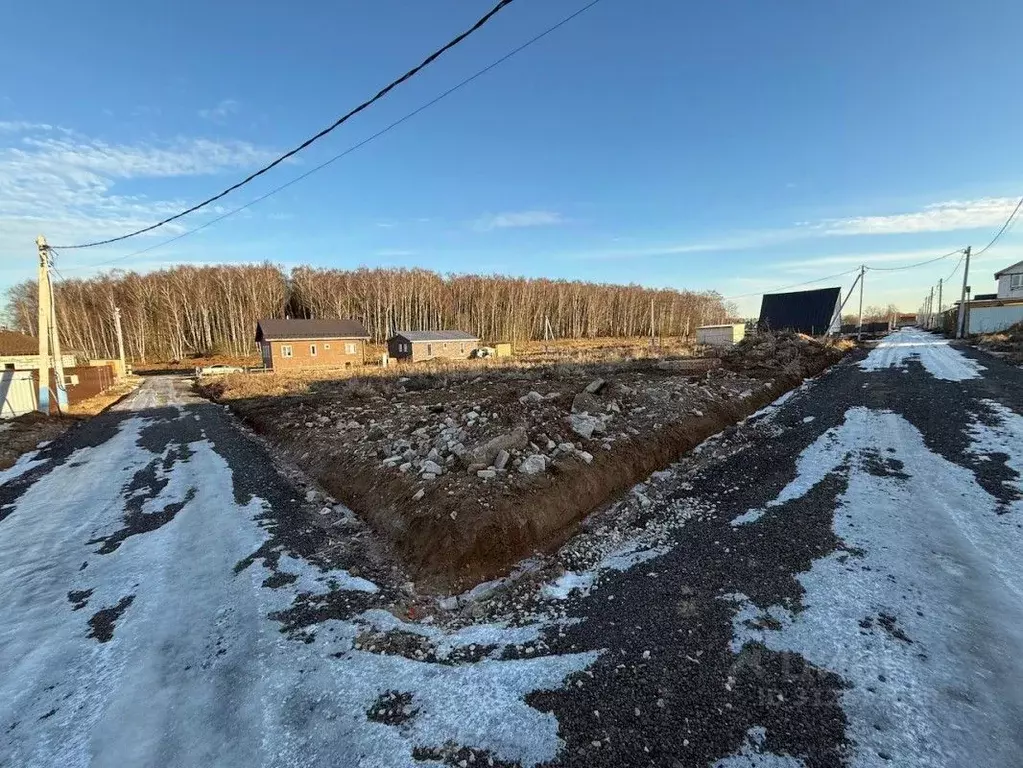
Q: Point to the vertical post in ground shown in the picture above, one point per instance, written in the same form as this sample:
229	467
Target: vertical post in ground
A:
930	309
961	320
60	387
120	339
43	403
859	330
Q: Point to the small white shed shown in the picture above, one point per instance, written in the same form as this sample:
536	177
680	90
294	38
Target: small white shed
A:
720	335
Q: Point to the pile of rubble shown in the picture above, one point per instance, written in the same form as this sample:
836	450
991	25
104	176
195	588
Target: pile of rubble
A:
502	430
477	471
785	353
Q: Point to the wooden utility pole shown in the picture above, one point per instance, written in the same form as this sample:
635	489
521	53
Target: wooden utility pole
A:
961	320
43	404
859	331
930	308
120	340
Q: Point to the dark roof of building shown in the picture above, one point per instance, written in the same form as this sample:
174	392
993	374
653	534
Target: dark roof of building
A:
274	329
16	343
436	336
984	296
809	312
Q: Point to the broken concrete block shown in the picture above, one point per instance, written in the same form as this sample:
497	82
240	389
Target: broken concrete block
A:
501	460
486	474
533	465
531	397
431	467
585	425
595	386
486	453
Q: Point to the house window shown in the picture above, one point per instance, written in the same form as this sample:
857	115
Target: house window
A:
285	350
461	348
312	350
429	349
350	348
1016	281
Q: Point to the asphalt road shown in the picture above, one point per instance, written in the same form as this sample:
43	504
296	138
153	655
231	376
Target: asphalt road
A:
837	581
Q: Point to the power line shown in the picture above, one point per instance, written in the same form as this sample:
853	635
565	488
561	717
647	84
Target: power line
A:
917	264
356	146
291	153
958	264
1005	226
796	285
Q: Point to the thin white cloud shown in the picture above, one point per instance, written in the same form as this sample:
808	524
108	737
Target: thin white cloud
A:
67	186
517	219
221	112
947	216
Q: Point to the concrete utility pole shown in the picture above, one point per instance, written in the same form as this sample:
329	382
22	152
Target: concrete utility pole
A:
49	341
930	308
940	305
43	404
859	331
120	339
961	320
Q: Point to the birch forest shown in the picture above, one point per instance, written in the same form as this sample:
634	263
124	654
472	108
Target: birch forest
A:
184	311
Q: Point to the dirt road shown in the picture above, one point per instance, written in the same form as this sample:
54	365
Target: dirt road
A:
838	581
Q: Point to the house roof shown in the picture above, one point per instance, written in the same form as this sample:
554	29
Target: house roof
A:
15	343
436	336
1010	270
809	312
274	329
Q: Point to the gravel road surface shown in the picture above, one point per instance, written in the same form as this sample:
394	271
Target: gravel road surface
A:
836	581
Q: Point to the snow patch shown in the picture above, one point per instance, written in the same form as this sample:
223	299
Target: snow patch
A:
621	560
922	613
936	354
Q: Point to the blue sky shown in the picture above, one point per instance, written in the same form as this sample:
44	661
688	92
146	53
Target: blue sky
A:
735	146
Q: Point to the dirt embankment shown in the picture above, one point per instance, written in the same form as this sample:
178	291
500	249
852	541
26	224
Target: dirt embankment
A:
24	433
1007	344
466	474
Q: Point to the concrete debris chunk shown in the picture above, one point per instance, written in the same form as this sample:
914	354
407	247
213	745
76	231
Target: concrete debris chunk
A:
531	397
533	465
585	425
501	460
595	386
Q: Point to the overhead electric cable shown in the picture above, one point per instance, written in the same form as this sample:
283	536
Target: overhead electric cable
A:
386	129
291	153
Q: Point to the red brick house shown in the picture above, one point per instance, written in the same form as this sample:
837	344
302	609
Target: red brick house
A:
292	344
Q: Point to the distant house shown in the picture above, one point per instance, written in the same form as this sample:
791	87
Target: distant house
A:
815	313
290	344
1010	282
414	346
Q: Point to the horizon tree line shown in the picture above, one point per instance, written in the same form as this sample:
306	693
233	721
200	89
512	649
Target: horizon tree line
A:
182	311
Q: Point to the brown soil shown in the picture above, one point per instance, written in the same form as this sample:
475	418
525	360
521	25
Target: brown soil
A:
22	434
474	520
1007	344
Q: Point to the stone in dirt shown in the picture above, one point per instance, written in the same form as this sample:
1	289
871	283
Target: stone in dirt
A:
595	386
501	460
531	397
431	467
584	402
419	494
533	465
486	474
585	425
585	456
486	453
